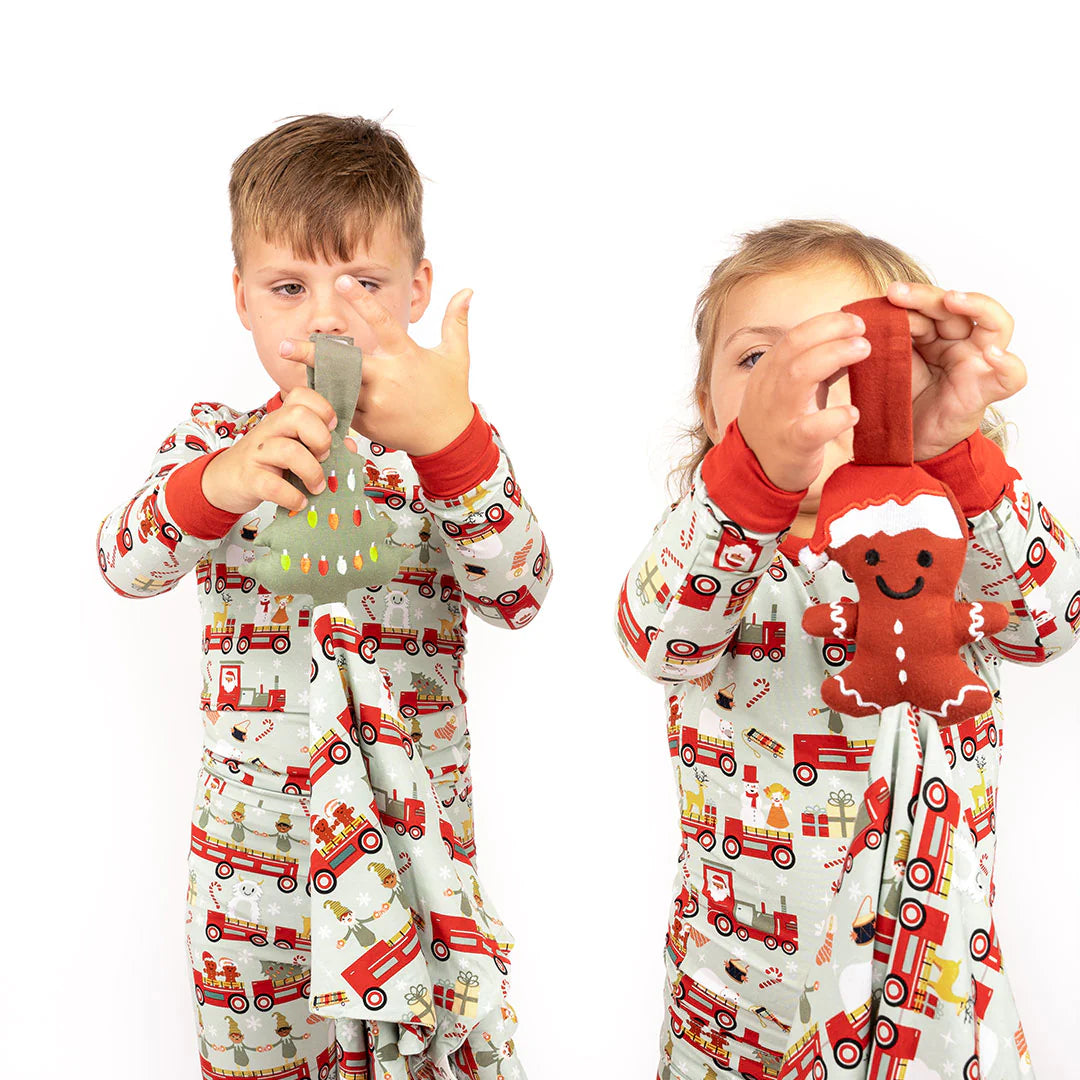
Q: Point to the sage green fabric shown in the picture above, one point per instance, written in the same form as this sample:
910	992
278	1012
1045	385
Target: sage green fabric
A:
322	551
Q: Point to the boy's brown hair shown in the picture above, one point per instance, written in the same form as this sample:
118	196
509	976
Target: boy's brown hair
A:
319	184
788	245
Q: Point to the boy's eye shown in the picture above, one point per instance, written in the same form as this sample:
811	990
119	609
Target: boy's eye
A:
371	286
749	356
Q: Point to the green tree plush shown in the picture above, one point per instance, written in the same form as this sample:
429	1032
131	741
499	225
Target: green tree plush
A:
341	540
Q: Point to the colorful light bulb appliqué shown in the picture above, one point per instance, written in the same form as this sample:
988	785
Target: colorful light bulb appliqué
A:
324	565
286	562
331	480
358	560
305	563
312	516
342	565
332	517
357	517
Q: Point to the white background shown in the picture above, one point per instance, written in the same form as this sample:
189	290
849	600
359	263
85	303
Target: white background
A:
586	168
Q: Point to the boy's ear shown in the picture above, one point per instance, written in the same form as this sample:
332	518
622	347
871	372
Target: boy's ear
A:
421	289
241	299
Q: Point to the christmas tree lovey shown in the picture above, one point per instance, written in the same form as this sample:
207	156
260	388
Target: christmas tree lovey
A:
340	541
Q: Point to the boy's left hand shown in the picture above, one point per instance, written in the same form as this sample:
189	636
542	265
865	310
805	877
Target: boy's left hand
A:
411	398
955	371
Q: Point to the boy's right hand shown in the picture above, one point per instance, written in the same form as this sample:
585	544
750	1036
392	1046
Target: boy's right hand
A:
295	437
783	418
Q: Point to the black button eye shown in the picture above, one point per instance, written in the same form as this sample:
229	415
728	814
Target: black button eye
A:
925	558
872	557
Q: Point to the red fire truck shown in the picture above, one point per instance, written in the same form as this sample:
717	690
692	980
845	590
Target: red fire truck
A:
433	643
229	577
380	963
152	522
930	867
705	1004
701	827
464	533
378	726
894	1047
462	934
728	913
229	858
849	1034
223	993
984	821
758	843
220	927
633	635
272	636
803	1060
973	732
516	607
698	591
871	820
761	639
402	814
455	848
270	992
411	703
708	749
834	752
921	929
297	1070
420	576
328	750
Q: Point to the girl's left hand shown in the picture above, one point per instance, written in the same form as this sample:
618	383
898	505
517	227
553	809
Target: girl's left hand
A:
958	362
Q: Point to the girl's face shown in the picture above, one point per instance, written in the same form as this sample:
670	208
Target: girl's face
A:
757	313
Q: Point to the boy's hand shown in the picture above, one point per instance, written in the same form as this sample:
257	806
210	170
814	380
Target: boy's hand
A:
782	417
955	372
295	437
411	399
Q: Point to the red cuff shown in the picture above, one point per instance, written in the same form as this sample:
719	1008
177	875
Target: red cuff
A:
735	480
190	509
462	465
975	470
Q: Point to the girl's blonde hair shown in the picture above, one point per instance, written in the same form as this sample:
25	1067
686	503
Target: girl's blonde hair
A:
784	246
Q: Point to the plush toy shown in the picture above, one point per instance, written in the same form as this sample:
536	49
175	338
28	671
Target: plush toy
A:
901	536
340	541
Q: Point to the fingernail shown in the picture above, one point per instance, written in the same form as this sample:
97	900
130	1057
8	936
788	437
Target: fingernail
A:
959	295
286	348
902	288
995	352
344	282
333	424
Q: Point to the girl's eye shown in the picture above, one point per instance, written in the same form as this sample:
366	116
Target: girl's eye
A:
748	356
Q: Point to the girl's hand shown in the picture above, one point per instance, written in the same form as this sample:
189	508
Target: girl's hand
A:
958	362
411	399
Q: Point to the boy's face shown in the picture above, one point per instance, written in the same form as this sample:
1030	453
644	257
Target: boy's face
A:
280	295
780	300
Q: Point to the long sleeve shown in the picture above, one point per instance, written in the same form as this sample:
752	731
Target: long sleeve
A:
150	541
493	539
681	602
1018	553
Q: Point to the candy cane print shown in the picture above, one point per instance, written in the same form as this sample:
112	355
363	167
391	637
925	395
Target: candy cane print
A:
368	608
993	556
213	895
672	556
757	697
268	726
775	976
686	537
441	673
990	588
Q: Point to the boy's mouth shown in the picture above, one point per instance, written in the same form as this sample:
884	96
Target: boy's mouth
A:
913	591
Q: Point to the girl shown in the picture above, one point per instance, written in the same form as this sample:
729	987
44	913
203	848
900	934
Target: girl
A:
770	780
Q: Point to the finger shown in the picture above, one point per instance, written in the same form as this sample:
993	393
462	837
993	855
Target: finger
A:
994	325
1008	371
388	333
819	428
295	349
455	324
929	301
306	399
285	453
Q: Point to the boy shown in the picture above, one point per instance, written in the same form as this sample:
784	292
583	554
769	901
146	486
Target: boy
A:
327	238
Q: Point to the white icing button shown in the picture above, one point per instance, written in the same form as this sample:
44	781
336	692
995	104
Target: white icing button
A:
899	652
903	675
898	627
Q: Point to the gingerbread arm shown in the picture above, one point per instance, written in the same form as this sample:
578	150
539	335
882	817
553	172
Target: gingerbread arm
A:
972	622
837	619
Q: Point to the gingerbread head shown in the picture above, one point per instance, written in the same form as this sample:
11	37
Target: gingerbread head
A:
901	536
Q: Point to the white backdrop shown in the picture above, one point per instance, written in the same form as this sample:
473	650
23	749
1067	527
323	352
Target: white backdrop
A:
585	170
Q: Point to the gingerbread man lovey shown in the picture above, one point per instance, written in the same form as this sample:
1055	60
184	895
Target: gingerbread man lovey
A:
902	538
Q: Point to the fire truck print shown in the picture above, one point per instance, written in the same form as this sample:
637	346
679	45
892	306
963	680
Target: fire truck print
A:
374	968
403	814
834	753
232	694
760	639
220	927
974	733
232	994
229	858
758	843
803	1059
727	913
462	934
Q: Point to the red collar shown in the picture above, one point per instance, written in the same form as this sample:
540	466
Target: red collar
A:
274	403
791	544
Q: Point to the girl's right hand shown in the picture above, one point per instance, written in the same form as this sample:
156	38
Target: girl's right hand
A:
295	437
783	418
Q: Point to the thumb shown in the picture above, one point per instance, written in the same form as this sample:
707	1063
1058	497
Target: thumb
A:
455	325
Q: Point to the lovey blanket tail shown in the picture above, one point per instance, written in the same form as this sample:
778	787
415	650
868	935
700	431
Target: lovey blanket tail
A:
909	966
401	930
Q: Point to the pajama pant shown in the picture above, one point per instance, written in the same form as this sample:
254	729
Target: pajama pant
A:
248	939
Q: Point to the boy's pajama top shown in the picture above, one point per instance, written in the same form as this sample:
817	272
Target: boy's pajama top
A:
832	910
473	544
